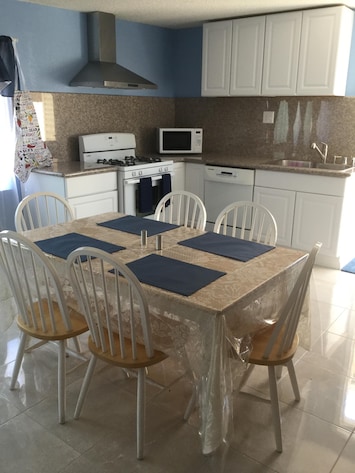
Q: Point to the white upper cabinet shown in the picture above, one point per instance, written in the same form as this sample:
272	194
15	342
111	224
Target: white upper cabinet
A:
247	56
281	51
325	51
294	53
216	58
233	57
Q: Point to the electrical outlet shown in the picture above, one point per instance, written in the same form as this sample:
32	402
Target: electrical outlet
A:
268	117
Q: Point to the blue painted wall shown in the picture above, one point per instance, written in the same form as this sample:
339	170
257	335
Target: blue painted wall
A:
52	48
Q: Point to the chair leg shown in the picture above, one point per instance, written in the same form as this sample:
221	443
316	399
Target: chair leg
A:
140	412
77	344
275	408
293	379
61	381
19	358
85	386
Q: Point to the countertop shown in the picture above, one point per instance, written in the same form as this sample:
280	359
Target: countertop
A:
75	168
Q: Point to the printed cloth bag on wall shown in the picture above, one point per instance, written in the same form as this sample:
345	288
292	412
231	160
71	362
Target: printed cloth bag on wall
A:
31	152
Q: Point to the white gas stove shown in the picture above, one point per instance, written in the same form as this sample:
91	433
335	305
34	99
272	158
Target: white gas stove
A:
119	150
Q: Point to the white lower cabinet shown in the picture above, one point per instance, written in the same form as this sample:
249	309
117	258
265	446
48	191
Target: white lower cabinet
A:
178	181
310	208
90	194
195	179
281	204
317	217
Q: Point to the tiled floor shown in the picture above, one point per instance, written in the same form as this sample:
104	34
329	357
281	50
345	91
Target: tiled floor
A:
318	432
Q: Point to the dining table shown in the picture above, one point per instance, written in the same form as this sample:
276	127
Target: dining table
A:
206	322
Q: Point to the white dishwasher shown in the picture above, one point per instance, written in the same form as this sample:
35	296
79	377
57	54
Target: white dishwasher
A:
223	186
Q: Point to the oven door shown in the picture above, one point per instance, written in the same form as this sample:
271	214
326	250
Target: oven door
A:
128	200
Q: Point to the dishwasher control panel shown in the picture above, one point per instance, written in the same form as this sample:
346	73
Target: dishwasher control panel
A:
230	175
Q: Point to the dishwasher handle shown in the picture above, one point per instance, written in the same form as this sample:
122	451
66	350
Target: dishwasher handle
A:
230	175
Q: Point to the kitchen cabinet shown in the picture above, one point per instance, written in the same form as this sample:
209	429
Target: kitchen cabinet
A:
178	180
308	208
216	58
281	51
325	51
89	194
195	180
247	56
301	53
233	57
281	203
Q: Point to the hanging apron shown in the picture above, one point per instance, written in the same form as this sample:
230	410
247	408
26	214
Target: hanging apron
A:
31	152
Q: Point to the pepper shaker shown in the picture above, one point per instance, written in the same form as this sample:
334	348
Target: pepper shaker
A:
144	235
159	242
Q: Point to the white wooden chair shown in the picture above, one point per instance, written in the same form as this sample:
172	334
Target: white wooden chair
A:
182	208
275	346
117	313
42	209
42	310
248	221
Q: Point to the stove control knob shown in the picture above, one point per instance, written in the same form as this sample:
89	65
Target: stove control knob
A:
140	173
133	173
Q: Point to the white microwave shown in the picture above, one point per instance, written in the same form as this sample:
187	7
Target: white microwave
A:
179	140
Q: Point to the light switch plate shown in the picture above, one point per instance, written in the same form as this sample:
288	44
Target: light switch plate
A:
268	117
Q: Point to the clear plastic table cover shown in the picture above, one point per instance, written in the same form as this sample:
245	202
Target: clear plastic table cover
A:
198	330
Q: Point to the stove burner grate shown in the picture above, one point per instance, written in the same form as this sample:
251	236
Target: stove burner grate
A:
129	161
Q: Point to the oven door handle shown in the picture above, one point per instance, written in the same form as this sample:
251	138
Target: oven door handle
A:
137	181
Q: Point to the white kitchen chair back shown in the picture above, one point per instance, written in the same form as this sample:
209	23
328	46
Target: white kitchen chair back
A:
182	208
42	209
248	221
116	310
276	346
42	310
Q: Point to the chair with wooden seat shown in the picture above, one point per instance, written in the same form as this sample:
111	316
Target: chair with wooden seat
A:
42	310
182	208
42	209
117	313
248	221
276	346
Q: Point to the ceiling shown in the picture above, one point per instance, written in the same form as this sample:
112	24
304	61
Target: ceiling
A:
184	13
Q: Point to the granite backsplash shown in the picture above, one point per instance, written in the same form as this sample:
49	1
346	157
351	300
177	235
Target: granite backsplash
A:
232	125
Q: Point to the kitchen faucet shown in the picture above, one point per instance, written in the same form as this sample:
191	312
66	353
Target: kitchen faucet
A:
322	154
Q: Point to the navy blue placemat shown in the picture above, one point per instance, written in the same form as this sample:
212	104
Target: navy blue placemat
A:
63	245
132	224
173	275
223	245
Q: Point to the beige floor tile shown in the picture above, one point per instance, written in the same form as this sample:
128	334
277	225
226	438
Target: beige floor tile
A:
346	461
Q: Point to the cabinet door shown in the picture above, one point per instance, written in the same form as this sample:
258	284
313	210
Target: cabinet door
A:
281	204
282	42
317	218
178	181
194	179
247	56
325	51
94	204
216	58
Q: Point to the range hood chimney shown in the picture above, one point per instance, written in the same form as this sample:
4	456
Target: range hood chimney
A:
102	70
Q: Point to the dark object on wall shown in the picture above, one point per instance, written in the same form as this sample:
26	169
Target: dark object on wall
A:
8	67
101	70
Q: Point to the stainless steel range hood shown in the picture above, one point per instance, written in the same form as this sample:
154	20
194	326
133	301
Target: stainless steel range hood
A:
102	70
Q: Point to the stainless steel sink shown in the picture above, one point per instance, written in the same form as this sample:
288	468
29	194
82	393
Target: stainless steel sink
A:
294	163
